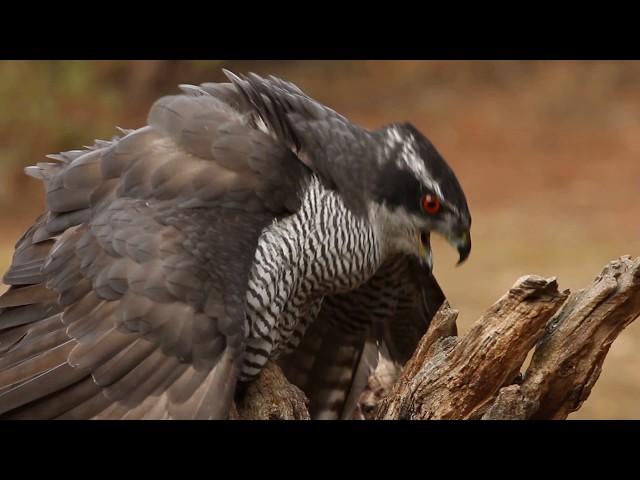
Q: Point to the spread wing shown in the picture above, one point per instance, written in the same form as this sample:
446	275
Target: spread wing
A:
343	154
388	314
127	295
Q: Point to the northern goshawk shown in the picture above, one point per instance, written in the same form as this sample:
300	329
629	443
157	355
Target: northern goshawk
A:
245	222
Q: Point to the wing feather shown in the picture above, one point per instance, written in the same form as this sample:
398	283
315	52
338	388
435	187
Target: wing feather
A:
126	296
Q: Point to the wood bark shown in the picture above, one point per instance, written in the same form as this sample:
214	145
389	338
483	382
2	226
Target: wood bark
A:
481	375
271	397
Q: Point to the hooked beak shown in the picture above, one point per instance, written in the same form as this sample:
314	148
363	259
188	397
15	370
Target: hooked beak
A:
462	242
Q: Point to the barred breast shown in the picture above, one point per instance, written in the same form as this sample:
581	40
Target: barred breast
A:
321	250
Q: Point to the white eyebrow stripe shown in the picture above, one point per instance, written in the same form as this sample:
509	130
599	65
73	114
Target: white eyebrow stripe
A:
410	159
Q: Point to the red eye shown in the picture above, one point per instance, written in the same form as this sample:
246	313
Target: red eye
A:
430	204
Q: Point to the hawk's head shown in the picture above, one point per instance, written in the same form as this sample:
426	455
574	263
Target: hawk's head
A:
395	172
418	193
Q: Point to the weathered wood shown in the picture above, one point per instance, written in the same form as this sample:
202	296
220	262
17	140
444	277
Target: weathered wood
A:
272	397
455	378
568	359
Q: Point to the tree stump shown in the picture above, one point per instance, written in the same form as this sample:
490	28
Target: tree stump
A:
478	375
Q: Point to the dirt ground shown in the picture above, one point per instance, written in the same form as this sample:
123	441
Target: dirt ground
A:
547	152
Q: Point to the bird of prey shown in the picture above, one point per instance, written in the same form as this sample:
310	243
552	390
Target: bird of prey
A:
245	222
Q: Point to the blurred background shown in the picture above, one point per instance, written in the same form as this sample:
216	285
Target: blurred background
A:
547	152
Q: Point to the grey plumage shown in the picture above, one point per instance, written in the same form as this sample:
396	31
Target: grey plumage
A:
171	263
389	313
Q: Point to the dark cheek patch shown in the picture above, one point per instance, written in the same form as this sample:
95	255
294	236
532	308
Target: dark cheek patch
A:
398	188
